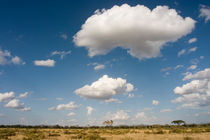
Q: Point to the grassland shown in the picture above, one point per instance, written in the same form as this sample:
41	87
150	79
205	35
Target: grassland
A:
108	133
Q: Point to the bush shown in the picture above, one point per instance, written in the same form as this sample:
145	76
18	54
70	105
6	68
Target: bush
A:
6	133
207	129
93	137
188	138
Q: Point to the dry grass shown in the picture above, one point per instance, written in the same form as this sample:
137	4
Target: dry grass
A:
198	133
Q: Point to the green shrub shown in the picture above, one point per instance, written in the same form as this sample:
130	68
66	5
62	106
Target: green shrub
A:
93	137
6	133
53	134
188	138
158	132
207	129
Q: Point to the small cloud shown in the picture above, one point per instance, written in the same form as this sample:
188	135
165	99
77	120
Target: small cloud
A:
165	69
120	115
45	63
99	67
205	12
147	108
182	52
192	49
64	36
185	51
192	67
89	110
155	102
130	95
71	114
145	119
201	57
112	100
61	53
17	105
178	66
51	108
194	61
17	61
7	96
69	106
6	58
59	99
24	95
165	110
192	40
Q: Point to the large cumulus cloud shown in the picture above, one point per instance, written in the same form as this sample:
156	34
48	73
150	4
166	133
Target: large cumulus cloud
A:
195	93
104	88
143	32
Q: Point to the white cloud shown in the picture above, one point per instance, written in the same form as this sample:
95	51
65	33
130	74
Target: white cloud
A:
112	100
192	49
51	108
130	95
17	105
165	110
201	57
180	53
71	114
178	66
104	88
59	99
185	51
16	60
7	96
24	95
143	36
203	74
165	69
145	119
155	102
64	36
192	67
89	110
195	93
192	40
120	115
6	58
61	53
99	67
192	87
70	106
205	12
46	63
194	61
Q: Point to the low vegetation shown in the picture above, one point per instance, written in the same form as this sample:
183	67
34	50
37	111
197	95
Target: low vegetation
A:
158	132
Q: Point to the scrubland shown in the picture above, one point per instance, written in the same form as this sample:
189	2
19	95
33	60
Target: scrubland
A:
108	133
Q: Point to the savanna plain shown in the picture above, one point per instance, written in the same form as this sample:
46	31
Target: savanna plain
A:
168	132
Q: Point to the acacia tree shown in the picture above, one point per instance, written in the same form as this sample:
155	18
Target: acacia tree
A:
178	122
108	122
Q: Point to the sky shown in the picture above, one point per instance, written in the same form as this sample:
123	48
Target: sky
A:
84	62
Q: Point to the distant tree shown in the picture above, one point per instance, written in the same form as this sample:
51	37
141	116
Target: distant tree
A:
108	122
178	122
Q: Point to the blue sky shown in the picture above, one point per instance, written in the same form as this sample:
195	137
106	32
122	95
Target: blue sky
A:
73	63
